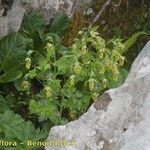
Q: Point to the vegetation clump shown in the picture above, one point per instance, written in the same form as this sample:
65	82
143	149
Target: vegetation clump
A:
49	84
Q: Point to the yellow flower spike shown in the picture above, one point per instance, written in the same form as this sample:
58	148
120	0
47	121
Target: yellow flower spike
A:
28	63
101	55
25	84
77	68
95	96
93	34
91	84
50	50
121	61
49	46
72	114
50	39
83	40
105	82
84	47
72	80
80	32
48	91
74	47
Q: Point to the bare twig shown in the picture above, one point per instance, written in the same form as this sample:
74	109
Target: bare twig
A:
101	11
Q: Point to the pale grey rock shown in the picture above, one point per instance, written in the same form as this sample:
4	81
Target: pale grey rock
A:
123	123
12	19
13	12
3	26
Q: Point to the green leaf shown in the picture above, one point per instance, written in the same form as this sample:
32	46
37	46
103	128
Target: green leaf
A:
10	101
59	24
56	41
13	51
122	76
22	85
131	40
33	22
64	64
33	27
13	60
7	103
11	75
12	43
2	102
55	85
32	73
15	128
45	108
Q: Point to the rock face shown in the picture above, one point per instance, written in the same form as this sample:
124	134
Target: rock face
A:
13	11
119	120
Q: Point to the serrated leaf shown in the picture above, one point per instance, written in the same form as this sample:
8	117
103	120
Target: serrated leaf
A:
19	85
33	22
59	24
44	108
33	27
55	85
32	73
11	75
13	49
17	129
64	65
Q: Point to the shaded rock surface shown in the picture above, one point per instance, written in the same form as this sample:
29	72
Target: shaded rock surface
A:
12	12
119	120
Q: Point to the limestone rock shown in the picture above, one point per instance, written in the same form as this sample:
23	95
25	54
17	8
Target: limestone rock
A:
119	120
12	12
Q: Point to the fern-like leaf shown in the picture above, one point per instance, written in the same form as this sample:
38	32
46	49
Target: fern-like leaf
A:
14	128
131	40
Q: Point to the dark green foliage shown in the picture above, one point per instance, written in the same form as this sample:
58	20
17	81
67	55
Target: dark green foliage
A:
130	41
14	128
33	23
13	51
59	24
72	79
145	26
50	84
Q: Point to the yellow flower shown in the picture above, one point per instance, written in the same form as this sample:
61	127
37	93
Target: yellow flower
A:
25	84
28	63
104	82
80	32
91	84
72	80
95	96
48	91
121	61
77	68
50	50
49	46
72	114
